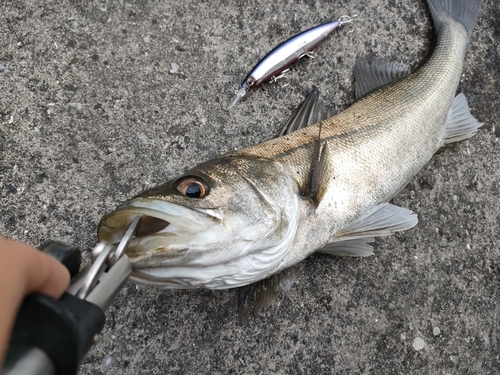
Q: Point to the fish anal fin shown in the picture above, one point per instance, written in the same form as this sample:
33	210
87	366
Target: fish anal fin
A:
359	247
371	73
310	111
460	124
382	220
261	294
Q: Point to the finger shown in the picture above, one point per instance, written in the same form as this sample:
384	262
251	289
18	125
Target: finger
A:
34	270
46	275
24	270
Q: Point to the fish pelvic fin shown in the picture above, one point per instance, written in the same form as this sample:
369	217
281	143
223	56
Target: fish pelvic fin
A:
462	11
460	124
309	112
261	294
371	73
382	220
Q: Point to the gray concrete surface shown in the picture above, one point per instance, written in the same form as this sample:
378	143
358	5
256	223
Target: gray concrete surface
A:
92	112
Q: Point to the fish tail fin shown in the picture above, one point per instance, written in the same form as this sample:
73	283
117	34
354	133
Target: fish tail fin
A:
462	11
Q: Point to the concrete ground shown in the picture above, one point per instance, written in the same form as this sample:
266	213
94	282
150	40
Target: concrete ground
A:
100	100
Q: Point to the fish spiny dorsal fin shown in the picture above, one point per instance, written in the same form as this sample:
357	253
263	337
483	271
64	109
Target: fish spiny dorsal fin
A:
260	295
382	220
371	73
309	112
460	124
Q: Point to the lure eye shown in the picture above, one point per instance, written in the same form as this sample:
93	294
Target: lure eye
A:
193	187
250	81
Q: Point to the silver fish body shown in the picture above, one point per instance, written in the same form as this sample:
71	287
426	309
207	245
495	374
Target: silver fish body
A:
242	217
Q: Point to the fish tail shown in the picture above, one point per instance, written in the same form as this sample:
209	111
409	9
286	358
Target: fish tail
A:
462	11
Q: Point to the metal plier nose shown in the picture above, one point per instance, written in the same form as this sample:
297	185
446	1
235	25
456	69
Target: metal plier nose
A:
53	336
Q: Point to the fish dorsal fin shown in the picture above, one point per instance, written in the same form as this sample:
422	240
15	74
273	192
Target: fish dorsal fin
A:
371	73
460	124
310	111
382	220
350	248
261	294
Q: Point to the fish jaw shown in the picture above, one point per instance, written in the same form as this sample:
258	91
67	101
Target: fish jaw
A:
239	234
164	227
257	261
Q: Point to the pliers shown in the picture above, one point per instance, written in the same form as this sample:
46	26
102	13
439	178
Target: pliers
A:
53	336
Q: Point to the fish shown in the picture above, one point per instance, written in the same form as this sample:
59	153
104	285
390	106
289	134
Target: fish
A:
284	55
323	185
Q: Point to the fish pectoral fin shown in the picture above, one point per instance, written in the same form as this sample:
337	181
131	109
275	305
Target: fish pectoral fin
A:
460	124
320	173
310	111
261	294
311	184
371	73
359	247
322	179
382	220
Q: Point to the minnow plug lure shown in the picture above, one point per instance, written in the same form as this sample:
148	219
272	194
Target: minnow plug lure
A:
291	50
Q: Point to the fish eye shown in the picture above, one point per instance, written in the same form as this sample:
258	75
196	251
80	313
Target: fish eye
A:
193	187
250	81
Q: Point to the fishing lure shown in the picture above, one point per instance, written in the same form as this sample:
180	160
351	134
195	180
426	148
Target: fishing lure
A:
291	50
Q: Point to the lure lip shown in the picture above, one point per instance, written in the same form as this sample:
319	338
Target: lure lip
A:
238	95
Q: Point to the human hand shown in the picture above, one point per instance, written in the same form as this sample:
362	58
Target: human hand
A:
24	270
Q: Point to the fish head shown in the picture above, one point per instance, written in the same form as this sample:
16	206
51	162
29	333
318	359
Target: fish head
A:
223	224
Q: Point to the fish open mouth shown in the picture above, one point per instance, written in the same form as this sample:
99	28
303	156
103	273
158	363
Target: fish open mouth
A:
165	229
149	225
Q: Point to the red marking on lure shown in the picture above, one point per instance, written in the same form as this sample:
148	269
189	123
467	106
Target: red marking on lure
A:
285	55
